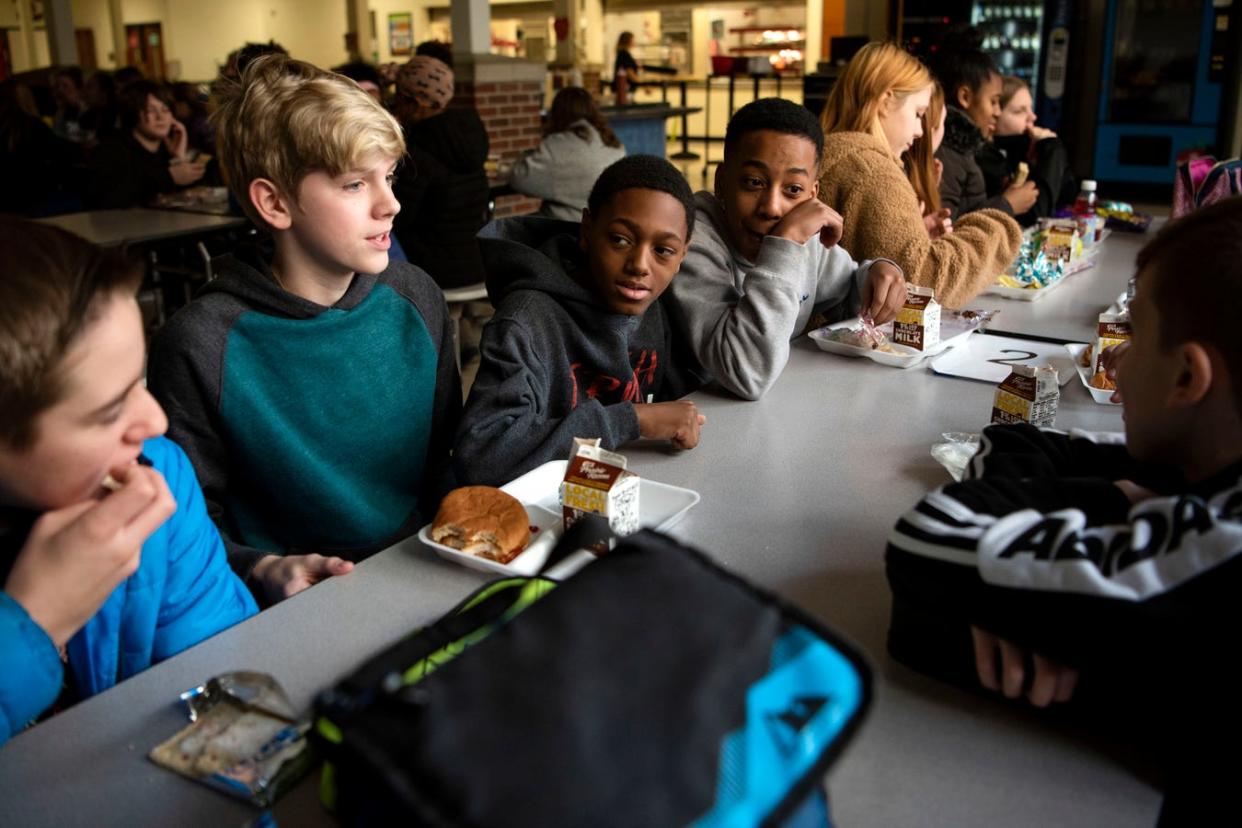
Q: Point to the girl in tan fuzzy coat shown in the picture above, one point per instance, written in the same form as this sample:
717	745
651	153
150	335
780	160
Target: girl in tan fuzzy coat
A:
874	113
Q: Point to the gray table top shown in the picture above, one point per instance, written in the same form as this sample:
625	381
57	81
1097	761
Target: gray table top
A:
109	228
1071	310
799	492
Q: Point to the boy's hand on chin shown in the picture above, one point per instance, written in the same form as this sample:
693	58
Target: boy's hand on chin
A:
75	557
678	421
807	219
884	292
283	576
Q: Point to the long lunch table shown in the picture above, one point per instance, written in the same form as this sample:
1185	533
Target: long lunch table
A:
109	228
1070	311
799	491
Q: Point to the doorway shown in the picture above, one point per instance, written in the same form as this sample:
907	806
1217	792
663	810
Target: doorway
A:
144	49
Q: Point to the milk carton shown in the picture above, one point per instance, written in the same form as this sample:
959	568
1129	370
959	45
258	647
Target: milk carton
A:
918	322
1027	395
597	482
1113	329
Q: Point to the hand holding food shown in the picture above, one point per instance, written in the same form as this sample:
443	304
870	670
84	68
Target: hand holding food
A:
1019	176
1021	197
884	292
74	557
283	576
808	218
677	421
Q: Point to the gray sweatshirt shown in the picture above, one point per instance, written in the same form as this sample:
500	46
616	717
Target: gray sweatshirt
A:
739	316
563	169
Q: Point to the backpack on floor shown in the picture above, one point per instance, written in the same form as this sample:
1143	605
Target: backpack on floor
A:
652	688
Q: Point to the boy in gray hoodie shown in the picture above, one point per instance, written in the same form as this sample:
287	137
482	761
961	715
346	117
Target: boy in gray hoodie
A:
579	345
766	256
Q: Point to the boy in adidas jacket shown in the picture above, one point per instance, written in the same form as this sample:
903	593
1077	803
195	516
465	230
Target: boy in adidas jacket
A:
1067	567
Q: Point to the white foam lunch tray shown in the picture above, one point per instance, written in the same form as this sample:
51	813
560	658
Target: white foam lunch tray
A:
952	331
660	506
1100	395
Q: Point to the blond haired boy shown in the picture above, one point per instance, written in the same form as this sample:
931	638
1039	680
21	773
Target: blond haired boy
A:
313	384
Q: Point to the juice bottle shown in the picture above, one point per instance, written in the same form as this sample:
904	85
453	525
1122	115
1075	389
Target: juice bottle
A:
1084	212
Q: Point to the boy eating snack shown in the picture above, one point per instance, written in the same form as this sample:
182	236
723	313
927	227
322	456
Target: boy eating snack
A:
98	584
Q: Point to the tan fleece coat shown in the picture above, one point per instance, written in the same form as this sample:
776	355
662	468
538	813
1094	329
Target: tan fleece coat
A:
860	180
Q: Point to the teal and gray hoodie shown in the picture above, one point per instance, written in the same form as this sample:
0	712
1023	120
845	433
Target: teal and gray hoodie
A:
312	429
556	362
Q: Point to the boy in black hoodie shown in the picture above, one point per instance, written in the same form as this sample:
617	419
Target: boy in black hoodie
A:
1072	567
314	386
579	345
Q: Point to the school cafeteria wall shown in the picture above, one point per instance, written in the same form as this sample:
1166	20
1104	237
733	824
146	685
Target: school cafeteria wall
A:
508	94
200	35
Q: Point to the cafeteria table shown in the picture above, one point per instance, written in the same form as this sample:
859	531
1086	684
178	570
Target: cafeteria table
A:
1070	311
799	491
138	225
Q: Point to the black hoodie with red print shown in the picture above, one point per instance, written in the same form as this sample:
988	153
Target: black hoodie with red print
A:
555	361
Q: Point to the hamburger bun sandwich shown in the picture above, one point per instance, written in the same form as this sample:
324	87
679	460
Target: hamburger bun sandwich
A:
482	521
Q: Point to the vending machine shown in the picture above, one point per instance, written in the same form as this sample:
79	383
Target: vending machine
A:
1026	38
1030	39
1163	65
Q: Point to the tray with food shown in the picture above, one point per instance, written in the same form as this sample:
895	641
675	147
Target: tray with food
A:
515	536
852	338
1086	370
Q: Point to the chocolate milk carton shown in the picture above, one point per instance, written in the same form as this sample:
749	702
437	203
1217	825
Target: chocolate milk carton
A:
597	482
1113	329
1027	395
918	322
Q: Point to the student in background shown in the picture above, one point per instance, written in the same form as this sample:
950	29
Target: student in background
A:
924	169
150	156
37	167
766	258
70	105
1074	568
190	109
1018	139
102	117
873	115
972	87
441	185
624	64
365	75
580	346
577	146
313	383
108	565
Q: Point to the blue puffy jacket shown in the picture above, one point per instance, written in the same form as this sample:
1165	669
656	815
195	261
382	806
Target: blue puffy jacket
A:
182	593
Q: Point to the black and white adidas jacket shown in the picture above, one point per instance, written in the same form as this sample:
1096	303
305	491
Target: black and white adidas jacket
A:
1041	546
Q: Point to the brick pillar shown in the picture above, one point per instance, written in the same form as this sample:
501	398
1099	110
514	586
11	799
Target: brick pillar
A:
508	95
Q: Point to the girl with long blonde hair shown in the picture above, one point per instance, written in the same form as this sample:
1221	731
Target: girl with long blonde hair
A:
924	169
874	114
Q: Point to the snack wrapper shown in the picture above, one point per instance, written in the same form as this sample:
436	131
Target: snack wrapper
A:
244	738
598	483
955	452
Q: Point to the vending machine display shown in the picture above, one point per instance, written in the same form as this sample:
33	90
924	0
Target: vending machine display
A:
1159	94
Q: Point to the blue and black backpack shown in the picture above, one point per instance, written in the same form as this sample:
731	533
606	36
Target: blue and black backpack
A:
652	688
